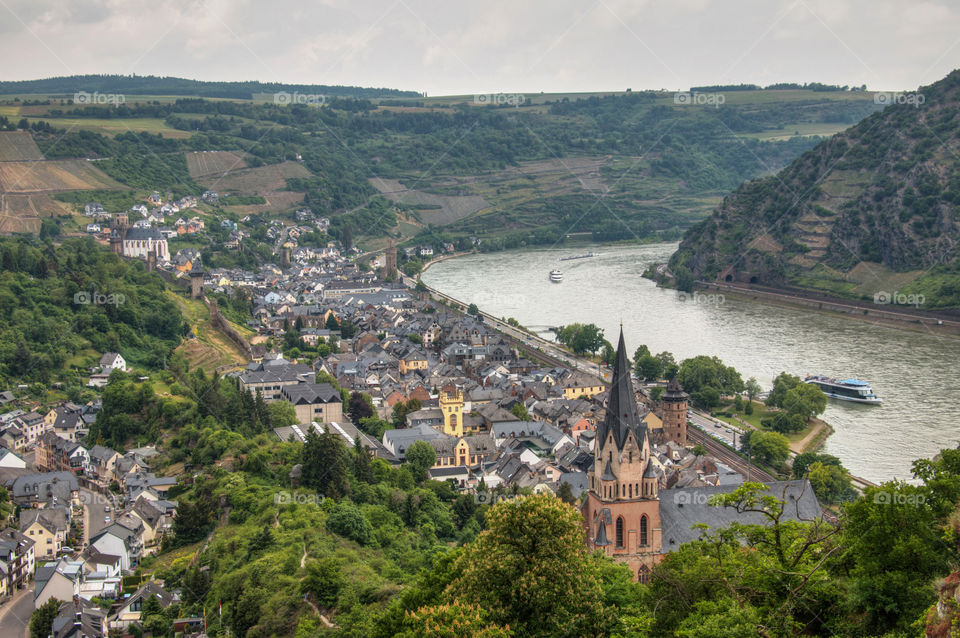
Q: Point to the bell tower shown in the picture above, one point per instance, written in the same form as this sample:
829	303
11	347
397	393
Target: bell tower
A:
621	510
674	403
451	405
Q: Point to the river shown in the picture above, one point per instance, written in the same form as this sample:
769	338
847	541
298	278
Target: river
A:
915	373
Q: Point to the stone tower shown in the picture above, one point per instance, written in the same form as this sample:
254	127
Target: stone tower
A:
196	283
118	232
621	510
674	403
451	404
390	260
152	260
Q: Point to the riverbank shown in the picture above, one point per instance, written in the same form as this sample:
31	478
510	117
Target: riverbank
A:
938	323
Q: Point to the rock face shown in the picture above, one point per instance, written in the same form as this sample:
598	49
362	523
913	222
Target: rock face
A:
884	192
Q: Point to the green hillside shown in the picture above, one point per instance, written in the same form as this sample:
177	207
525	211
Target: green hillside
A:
870	210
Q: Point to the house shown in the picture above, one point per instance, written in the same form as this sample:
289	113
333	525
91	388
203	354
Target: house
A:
118	540
79	618
156	522
578	384
111	361
103	462
13	438
66	421
9	459
271	380
47	528
16	560
93	208
314	402
130	612
210	197
54	488
56	580
93	228
55	453
32	425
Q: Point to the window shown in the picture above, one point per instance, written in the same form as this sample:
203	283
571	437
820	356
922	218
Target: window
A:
619	531
643	530
643	575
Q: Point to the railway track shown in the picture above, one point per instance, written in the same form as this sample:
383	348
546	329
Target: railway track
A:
727	456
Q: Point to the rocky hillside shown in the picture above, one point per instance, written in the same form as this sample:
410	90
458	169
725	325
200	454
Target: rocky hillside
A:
872	209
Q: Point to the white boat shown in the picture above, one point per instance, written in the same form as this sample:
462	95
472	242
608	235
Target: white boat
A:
845	390
556	276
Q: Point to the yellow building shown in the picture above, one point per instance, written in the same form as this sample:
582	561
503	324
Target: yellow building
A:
464	452
413	361
451	405
581	385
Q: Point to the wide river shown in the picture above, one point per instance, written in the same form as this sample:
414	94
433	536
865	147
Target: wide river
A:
917	374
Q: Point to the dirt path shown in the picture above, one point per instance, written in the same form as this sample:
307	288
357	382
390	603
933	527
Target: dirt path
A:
799	447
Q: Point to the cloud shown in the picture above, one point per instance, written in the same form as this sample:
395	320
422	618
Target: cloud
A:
447	47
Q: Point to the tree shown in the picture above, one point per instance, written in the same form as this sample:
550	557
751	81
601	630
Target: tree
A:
581	338
41	621
831	483
699	450
641	351
450	621
607	354
332	323
668	365
325	464
566	494
523	567
701	372
520	411
362	467
420	457
648	367
752	388
472	309
324	580
781	385
282	414
359	407
347	521
805	400
770	448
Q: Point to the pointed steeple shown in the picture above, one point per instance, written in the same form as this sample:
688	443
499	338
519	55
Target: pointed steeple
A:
622	415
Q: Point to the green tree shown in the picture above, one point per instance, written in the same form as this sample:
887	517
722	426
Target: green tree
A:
781	385
771	448
648	367
752	388
324	579
325	464
332	323
41	621
472	309
519	410
360	406
831	483
451	621
805	400
581	338
702	372
523	567
347	521
420	457
565	493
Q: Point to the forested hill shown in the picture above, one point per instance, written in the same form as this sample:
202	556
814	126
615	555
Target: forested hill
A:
153	85
871	210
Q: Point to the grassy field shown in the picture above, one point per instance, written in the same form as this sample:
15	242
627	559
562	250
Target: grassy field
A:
257	181
22	213
18	146
801	129
210	349
113	126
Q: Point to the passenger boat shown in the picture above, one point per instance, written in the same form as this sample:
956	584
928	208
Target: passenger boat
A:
845	390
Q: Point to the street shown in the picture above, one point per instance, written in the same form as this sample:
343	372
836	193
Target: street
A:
15	614
94	511
715	428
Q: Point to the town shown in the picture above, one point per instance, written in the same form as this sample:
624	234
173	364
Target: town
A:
394	370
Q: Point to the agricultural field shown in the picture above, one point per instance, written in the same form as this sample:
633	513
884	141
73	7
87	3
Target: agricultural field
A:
214	163
50	175
256	181
443	209
16	146
22	213
113	126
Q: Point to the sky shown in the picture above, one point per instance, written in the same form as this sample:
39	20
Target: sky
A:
447	47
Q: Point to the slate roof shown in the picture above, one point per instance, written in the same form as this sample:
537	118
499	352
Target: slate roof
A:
310	393
622	415
681	509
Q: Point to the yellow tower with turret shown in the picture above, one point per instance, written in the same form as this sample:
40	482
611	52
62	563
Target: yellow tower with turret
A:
451	404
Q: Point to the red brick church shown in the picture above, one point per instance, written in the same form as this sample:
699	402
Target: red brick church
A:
622	508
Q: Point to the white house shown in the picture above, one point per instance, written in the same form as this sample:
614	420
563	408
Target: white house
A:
111	361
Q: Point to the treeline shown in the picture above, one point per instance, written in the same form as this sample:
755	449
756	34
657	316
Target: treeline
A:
154	85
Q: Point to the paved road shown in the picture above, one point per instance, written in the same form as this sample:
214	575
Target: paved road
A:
15	615
94	511
715	428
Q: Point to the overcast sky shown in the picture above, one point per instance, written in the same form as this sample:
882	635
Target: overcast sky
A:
456	47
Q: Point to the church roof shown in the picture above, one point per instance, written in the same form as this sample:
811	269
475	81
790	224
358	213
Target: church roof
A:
608	473
622	414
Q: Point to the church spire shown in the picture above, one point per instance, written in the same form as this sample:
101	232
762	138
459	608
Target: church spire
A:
622	415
